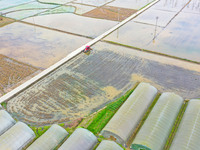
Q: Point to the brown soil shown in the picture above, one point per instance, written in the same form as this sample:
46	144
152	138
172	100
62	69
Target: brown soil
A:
110	13
4	21
12	72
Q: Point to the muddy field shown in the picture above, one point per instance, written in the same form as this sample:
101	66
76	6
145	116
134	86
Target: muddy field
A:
110	13
88	82
5	21
12	73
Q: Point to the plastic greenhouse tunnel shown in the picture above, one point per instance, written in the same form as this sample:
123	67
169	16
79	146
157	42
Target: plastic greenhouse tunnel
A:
188	134
81	139
16	137
157	127
108	145
6	121
125	121
50	139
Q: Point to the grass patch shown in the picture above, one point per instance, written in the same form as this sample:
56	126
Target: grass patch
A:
98	120
39	130
4	105
176	125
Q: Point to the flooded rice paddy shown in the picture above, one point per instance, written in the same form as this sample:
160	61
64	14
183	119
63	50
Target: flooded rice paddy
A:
4	4
87	82
92	2
37	46
131	4
74	23
169	27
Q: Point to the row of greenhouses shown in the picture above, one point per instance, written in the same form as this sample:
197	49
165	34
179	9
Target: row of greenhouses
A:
152	135
126	119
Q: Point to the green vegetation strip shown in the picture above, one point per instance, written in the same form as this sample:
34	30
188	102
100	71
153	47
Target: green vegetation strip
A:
176	125
4	105
98	120
143	120
153	52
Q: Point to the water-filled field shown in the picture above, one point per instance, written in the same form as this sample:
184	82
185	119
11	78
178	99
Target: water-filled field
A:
168	27
87	82
74	23
131	4
37	46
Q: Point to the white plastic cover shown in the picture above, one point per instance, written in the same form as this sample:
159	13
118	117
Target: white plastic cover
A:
81	139
50	139
108	145
16	137
188	133
125	121
6	121
156	129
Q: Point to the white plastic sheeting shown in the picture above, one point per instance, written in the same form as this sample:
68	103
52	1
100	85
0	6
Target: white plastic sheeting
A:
108	145
81	139
50	139
6	121
188	133
124	122
16	137
156	129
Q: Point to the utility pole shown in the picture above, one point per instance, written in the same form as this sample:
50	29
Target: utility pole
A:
155	29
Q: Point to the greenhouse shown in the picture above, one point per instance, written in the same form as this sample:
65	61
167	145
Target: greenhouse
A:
157	127
188	133
16	137
108	145
0	107
6	121
50	139
127	118
80	139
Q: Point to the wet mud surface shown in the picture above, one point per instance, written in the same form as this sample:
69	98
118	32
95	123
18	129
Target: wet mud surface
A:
110	13
87	82
13	73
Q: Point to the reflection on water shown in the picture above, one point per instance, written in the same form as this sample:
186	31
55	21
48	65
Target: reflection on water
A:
10	3
179	38
93	2
37	46
74	23
87	83
131	4
134	34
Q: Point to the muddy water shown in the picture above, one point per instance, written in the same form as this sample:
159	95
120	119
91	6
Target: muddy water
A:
37	46
74	23
10	77
131	4
88	82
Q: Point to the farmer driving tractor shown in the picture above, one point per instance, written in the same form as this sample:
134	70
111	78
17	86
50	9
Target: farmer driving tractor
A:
87	49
